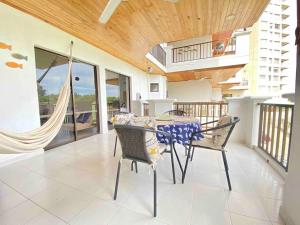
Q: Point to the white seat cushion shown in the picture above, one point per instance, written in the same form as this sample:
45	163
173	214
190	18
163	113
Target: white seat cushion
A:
217	137
207	142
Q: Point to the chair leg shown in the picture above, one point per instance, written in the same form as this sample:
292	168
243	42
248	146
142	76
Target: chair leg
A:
136	168
178	160
155	194
115	149
226	169
117	181
193	153
186	163
172	162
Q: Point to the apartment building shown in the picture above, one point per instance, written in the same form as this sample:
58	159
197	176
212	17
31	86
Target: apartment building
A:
271	68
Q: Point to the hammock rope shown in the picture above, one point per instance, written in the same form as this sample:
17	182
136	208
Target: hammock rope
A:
39	138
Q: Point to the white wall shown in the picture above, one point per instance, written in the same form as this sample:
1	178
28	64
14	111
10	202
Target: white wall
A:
18	91
192	91
238	107
216	94
291	197
247	109
162	81
242	43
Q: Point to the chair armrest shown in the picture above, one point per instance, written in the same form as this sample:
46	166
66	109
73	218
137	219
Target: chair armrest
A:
209	122
152	130
210	129
166	134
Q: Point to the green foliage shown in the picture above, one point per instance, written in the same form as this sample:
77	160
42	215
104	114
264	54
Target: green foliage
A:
112	99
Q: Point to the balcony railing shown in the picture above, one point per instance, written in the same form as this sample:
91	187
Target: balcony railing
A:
146	109
204	50
159	53
275	129
206	111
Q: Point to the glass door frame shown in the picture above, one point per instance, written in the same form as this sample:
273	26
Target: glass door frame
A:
72	98
129	86
74	102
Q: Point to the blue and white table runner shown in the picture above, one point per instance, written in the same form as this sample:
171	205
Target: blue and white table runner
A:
181	132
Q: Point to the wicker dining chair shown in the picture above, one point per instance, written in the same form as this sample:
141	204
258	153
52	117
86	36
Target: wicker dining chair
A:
217	141
124	121
176	112
134	147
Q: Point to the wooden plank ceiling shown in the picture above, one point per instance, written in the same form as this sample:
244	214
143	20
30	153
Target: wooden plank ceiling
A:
214	75
138	25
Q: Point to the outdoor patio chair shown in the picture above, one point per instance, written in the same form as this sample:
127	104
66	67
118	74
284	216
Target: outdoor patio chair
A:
137	146
216	141
176	112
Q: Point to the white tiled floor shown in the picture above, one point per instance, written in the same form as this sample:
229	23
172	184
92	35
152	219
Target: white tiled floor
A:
74	184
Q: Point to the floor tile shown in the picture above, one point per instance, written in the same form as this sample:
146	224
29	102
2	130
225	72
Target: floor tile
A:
45	218
244	220
10	200
209	206
20	214
247	205
125	216
99	212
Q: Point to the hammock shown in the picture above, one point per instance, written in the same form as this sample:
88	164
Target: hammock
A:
37	139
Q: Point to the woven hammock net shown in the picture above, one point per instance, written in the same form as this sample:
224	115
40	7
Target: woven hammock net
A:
37	139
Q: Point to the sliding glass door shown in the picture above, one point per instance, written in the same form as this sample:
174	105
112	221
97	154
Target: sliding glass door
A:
85	98
81	119
117	94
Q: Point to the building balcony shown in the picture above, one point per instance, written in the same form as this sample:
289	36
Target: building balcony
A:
204	53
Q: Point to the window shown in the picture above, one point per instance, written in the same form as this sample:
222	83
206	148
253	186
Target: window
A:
262	77
263	59
277	26
154	87
81	119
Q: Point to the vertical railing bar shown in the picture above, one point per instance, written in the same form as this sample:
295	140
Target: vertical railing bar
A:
283	148
206	114
200	113
278	132
260	126
273	129
213	119
264	127
290	139
268	128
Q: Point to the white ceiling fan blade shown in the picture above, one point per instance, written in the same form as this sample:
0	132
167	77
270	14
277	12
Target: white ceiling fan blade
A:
109	10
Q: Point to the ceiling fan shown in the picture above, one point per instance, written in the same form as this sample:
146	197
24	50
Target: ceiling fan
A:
112	5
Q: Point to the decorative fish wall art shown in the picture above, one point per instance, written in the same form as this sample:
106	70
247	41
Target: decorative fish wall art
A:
5	46
15	55
14	65
19	56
